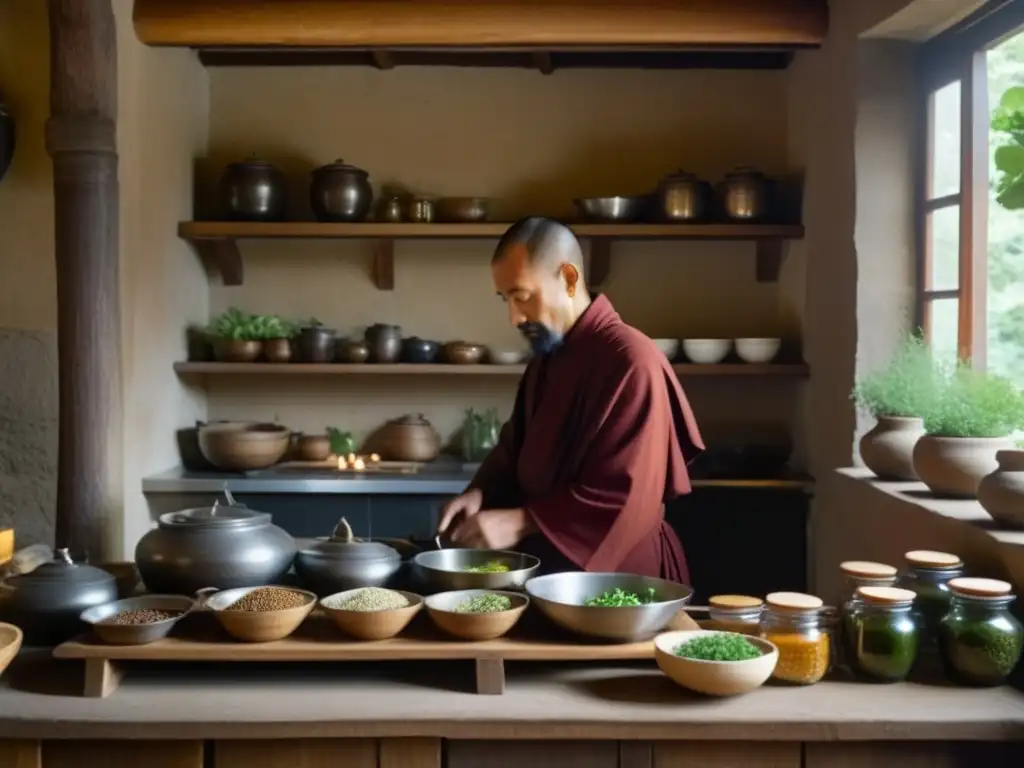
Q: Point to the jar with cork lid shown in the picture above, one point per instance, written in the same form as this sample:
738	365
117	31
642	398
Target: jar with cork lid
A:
979	639
857	574
927	574
883	634
736	613
797	625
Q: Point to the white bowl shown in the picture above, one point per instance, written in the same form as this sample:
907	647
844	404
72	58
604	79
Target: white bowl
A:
714	678
707	351
668	347
757	350
505	356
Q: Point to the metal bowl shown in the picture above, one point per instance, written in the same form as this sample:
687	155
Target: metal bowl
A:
560	597
444	570
136	634
457	209
611	208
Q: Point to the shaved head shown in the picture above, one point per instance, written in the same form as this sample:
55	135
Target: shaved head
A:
538	270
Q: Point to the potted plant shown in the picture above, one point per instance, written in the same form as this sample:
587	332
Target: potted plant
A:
896	395
969	419
277	334
236	337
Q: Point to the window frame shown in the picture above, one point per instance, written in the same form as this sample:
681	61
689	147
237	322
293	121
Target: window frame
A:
959	55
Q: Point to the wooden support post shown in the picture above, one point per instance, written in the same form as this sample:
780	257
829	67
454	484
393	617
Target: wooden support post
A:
102	677
600	262
769	260
81	136
384	264
490	676
223	257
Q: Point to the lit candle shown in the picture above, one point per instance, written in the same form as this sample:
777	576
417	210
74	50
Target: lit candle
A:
341	462
374	457
358	465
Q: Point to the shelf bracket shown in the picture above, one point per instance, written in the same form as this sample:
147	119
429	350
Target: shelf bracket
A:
541	61
600	262
383	59
384	264
222	256
770	255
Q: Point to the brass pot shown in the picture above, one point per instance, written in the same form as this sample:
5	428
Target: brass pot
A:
277	350
462	353
340	192
745	194
409	438
352	351
313	447
236	350
683	197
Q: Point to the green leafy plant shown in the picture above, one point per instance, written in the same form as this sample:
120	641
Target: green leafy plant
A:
904	386
1008	125
342	443
236	325
970	403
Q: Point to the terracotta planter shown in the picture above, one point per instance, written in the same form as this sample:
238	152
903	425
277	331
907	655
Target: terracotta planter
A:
277	350
1001	493
953	467
888	449
236	350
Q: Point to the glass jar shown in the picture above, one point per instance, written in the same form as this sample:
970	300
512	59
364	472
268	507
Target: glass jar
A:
927	575
979	639
884	634
795	623
858	573
736	613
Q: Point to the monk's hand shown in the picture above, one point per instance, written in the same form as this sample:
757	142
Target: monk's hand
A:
493	529
463	507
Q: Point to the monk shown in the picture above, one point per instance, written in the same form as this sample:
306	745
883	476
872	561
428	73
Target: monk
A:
600	435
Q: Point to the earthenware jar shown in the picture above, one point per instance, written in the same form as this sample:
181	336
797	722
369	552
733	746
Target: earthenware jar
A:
888	449
253	190
952	467
1001	492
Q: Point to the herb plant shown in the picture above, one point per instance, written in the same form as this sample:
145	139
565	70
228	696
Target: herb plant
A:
720	646
904	386
620	598
1008	126
236	325
970	403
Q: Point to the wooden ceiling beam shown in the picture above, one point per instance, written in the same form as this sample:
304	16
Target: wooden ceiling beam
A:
480	24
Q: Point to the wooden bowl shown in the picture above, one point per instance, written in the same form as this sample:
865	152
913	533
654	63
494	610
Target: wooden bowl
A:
474	626
239	446
372	625
256	626
714	678
10	644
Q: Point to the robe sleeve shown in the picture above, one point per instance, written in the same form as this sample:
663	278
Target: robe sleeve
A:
615	498
496	478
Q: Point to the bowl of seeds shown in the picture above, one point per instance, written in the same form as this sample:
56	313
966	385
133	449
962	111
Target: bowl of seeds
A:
137	620
259	614
371	613
476	614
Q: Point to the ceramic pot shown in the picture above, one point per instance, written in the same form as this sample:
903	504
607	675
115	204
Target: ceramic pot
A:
417	350
888	449
340	192
316	344
352	351
384	342
341	562
462	353
952	467
277	350
236	350
409	438
313	447
744	194
1001	493
219	546
253	191
47	602
241	446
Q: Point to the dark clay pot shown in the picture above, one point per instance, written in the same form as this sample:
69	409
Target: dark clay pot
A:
277	350
417	350
316	344
384	342
340	192
253	191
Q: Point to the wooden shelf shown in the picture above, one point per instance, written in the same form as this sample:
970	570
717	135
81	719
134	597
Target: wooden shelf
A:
792	370
216	242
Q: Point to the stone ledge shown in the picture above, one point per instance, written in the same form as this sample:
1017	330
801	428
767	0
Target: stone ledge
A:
969	512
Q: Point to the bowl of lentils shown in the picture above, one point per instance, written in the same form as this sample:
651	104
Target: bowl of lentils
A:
259	614
715	663
137	620
371	613
476	614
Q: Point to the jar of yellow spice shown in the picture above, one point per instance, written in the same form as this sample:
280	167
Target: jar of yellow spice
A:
797	625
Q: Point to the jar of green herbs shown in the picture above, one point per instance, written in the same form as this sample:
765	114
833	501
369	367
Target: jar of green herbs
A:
857	574
884	634
927	575
979	639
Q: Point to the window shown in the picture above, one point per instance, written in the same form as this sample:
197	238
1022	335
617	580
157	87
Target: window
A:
971	239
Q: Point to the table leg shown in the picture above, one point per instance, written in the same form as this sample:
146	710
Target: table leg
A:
490	676
102	677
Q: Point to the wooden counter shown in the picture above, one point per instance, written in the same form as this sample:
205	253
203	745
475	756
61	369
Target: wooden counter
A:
380	716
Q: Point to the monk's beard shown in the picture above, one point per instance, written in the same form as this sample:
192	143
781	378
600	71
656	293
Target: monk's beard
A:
542	339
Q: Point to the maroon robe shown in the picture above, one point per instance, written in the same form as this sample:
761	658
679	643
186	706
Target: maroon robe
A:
599	439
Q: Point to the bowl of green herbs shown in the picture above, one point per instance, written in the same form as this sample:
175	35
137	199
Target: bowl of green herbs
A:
715	663
476	614
619	607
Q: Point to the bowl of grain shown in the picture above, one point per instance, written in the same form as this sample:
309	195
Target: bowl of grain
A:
715	663
259	614
137	620
476	614
371	613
